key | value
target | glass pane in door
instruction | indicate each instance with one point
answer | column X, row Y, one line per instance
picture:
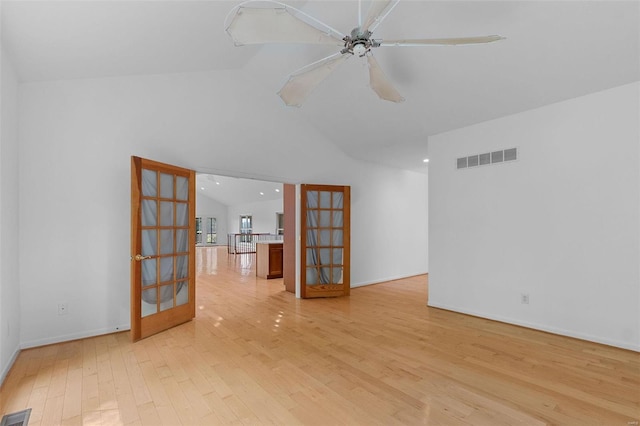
column 182, row 214
column 149, row 212
column 165, row 233
column 149, row 272
column 149, row 183
column 182, row 188
column 166, row 185
column 149, row 242
column 166, row 297
column 149, row 305
column 182, row 295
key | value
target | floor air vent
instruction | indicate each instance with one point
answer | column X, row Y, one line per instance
column 21, row 418
column 494, row 157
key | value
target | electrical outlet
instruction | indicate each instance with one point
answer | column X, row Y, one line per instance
column 524, row 299
column 62, row 308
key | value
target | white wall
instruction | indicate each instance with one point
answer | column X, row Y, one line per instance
column 9, row 241
column 76, row 139
column 388, row 229
column 263, row 216
column 207, row 207
column 560, row 224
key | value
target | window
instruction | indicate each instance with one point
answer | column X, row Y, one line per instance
column 279, row 223
column 246, row 227
column 206, row 230
column 245, row 224
column 198, row 230
column 212, row 236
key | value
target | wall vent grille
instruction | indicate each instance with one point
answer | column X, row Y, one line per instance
column 20, row 418
column 487, row 158
column 510, row 154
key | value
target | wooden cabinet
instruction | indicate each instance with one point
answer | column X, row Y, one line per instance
column 269, row 257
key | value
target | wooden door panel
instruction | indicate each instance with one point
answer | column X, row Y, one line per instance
column 162, row 246
column 275, row 260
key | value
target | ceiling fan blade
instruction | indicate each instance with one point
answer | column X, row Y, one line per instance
column 377, row 13
column 302, row 82
column 277, row 23
column 380, row 84
column 441, row 41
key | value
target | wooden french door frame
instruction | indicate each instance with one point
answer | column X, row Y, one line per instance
column 167, row 315
column 289, row 203
column 325, row 264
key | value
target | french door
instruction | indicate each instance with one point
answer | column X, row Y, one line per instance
column 325, row 240
column 162, row 247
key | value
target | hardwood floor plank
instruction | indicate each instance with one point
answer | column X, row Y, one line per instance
column 72, row 421
column 89, row 361
column 256, row 355
column 52, row 413
column 240, row 410
column 148, row 414
column 222, row 411
column 90, row 394
column 126, row 405
column 167, row 415
column 179, row 401
column 72, row 402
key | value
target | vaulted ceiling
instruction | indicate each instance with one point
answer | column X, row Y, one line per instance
column 554, row 50
column 233, row 191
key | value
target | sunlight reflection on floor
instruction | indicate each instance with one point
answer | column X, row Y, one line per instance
column 208, row 260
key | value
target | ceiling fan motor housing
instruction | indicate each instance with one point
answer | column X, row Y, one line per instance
column 359, row 42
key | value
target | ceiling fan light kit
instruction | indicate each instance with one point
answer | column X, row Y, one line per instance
column 261, row 22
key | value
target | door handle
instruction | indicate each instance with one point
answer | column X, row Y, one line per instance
column 140, row 257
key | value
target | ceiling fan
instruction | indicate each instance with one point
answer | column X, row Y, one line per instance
column 260, row 22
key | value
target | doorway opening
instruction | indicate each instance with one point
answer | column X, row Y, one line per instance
column 237, row 213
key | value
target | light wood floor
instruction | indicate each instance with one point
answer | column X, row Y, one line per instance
column 256, row 355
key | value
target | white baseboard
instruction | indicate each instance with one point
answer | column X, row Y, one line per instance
column 7, row 368
column 74, row 336
column 400, row 277
column 540, row 327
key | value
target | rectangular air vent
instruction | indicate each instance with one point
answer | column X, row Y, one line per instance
column 486, row 158
column 20, row 418
column 510, row 154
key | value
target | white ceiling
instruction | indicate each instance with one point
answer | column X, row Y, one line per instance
column 233, row 191
column 555, row 50
column 59, row 40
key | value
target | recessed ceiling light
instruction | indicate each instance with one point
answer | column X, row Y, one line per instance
column 202, row 188
column 262, row 193
column 217, row 183
column 426, row 160
column 277, row 190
